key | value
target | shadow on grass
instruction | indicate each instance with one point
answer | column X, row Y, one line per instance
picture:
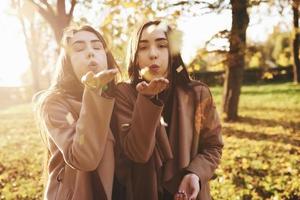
column 286, row 91
column 270, row 123
column 270, row 109
column 260, row 136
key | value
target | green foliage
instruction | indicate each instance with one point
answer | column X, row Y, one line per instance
column 207, row 61
column 260, row 160
column 281, row 44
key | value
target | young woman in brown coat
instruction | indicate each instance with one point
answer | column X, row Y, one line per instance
column 74, row 116
column 168, row 130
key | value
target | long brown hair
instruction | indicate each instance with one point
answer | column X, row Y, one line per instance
column 65, row 82
column 180, row 77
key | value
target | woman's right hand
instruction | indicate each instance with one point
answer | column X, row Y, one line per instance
column 97, row 81
column 154, row 87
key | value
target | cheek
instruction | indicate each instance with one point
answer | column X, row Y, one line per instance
column 165, row 58
column 102, row 60
column 141, row 59
column 78, row 65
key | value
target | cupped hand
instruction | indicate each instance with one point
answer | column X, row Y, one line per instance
column 154, row 87
column 97, row 81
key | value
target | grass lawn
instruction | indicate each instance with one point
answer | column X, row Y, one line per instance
column 261, row 158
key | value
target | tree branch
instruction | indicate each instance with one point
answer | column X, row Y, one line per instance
column 61, row 8
column 257, row 2
column 49, row 7
column 221, row 34
column 73, row 3
column 48, row 15
column 207, row 4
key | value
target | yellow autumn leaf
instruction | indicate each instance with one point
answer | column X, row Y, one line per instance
column 197, row 67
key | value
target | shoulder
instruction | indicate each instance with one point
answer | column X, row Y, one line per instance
column 55, row 101
column 51, row 109
column 200, row 88
column 55, row 109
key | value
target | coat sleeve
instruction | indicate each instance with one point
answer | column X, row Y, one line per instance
column 82, row 142
column 209, row 154
column 136, row 124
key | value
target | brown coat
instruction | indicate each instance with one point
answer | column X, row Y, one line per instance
column 79, row 141
column 149, row 159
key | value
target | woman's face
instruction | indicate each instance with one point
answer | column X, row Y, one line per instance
column 87, row 53
column 153, row 53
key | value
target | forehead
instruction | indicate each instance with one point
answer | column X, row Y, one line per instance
column 84, row 36
column 153, row 32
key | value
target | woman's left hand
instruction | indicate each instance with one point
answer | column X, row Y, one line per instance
column 190, row 185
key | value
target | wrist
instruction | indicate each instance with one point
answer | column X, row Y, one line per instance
column 149, row 96
column 194, row 176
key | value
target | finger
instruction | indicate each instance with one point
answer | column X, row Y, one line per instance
column 193, row 195
column 156, row 87
column 161, row 87
column 166, row 81
column 163, row 81
column 153, row 84
column 113, row 71
column 87, row 77
column 141, row 86
column 106, row 72
column 182, row 187
column 105, row 76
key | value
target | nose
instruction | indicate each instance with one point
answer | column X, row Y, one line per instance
column 153, row 53
column 90, row 53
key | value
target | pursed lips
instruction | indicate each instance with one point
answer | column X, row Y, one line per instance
column 154, row 68
column 93, row 66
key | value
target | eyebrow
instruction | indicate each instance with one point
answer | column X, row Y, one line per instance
column 82, row 42
column 156, row 40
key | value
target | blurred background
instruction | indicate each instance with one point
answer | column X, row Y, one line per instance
column 247, row 51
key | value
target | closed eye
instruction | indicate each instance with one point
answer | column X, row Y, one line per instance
column 78, row 46
column 143, row 47
column 163, row 44
column 97, row 45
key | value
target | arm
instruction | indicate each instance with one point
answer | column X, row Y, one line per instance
column 136, row 123
column 82, row 142
column 211, row 143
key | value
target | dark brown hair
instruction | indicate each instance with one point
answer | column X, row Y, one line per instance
column 175, row 59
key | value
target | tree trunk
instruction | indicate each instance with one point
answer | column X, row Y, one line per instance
column 296, row 65
column 235, row 67
column 30, row 49
column 57, row 17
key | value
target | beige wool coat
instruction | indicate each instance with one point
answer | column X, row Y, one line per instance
column 81, row 144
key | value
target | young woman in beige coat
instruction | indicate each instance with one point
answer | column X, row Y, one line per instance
column 168, row 130
column 74, row 116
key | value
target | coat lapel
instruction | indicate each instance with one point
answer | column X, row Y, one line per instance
column 181, row 132
column 185, row 126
